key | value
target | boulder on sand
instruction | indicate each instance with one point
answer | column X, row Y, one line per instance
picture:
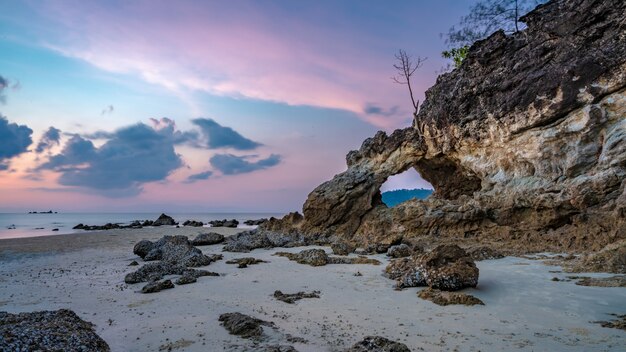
column 207, row 239
column 378, row 344
column 164, row 220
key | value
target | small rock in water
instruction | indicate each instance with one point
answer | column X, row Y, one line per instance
column 255, row 222
column 164, row 220
column 291, row 298
column 193, row 223
column 378, row 344
column 133, row 263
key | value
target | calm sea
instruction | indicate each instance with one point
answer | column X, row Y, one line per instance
column 13, row 225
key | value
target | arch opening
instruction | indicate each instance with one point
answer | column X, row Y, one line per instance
column 404, row 186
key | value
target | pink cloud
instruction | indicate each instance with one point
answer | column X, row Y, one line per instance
column 239, row 51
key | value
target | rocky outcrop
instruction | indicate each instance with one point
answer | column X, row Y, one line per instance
column 60, row 330
column 193, row 223
column 224, row 223
column 164, row 220
column 172, row 249
column 318, row 257
column 525, row 145
column 447, row 267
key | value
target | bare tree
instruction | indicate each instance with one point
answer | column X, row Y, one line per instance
column 406, row 67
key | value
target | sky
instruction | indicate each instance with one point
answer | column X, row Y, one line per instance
column 201, row 105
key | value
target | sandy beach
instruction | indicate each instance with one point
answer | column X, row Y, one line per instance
column 524, row 308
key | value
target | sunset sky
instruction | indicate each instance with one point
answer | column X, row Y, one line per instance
column 200, row 105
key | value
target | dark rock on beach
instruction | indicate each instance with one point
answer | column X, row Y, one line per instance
column 248, row 240
column 444, row 298
column 244, row 262
column 193, row 223
column 224, row 223
column 164, row 220
column 318, row 257
column 484, row 253
column 207, row 239
column 291, row 298
column 172, row 249
column 255, row 222
column 378, row 344
column 243, row 325
column 157, row 286
column 60, row 330
column 447, row 267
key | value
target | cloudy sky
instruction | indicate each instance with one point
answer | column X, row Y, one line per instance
column 200, row 105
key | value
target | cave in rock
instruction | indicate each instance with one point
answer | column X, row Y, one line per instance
column 404, row 186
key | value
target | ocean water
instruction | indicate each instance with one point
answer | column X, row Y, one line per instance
column 31, row 225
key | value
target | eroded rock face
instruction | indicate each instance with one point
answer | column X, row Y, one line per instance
column 525, row 145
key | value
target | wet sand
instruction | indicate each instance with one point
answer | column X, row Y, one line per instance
column 524, row 309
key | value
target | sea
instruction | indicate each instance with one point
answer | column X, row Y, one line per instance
column 15, row 225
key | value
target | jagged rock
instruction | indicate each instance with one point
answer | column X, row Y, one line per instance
column 244, row 262
column 193, row 223
column 186, row 279
column 164, row 220
column 291, row 298
column 318, row 257
column 157, row 286
column 399, row 251
column 484, row 253
column 172, row 249
column 342, row 248
column 448, row 268
column 255, row 222
column 249, row 240
column 243, row 325
column 444, row 298
column 378, row 344
column 524, row 144
column 60, row 330
column 142, row 248
column 207, row 239
column 224, row 223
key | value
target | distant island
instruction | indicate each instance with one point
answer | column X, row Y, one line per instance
column 393, row 198
column 42, row 212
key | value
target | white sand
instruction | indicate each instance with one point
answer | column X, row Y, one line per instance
column 524, row 311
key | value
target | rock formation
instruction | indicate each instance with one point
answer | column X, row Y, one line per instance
column 525, row 145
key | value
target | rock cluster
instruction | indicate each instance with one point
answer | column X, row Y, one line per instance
column 524, row 144
column 255, row 222
column 447, row 267
column 60, row 330
column 224, row 223
column 193, row 223
column 175, row 256
column 163, row 220
column 318, row 257
column 248, row 240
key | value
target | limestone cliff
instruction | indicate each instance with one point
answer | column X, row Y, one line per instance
column 525, row 143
